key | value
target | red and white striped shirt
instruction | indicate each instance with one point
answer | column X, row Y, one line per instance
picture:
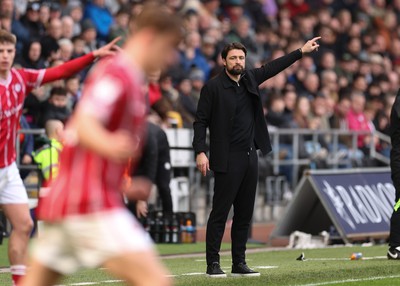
column 13, row 90
column 88, row 182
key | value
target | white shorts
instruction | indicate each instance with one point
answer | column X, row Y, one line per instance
column 12, row 189
column 88, row 241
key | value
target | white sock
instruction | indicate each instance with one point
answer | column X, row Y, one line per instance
column 18, row 269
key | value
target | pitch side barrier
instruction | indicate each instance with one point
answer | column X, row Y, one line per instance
column 352, row 205
column 339, row 155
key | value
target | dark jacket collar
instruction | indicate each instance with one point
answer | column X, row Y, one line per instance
column 226, row 80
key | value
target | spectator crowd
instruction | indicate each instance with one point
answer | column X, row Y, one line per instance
column 349, row 84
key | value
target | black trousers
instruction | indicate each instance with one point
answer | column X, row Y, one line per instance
column 163, row 179
column 394, row 239
column 236, row 187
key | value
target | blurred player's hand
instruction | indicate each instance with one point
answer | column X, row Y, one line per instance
column 108, row 50
column 124, row 146
column 26, row 159
column 310, row 46
column 137, row 188
column 202, row 163
column 141, row 209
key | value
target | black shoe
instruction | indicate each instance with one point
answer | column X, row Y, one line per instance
column 242, row 270
column 393, row 253
column 214, row 271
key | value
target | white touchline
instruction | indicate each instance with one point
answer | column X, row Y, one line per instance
column 374, row 257
column 255, row 267
column 92, row 283
column 203, row 260
column 345, row 259
column 351, row 280
column 326, row 259
column 265, row 267
column 203, row 273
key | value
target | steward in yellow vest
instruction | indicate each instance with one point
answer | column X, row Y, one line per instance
column 48, row 156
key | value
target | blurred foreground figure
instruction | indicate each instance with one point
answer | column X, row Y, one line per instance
column 85, row 222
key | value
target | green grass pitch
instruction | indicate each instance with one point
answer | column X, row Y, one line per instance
column 329, row 266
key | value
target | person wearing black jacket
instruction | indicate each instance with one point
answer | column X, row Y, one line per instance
column 146, row 170
column 231, row 108
column 164, row 169
column 55, row 107
column 394, row 239
column 155, row 166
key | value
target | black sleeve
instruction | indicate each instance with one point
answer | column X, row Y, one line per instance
column 148, row 163
column 276, row 66
column 396, row 105
column 395, row 123
column 202, row 120
column 47, row 115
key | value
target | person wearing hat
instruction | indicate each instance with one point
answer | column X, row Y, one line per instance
column 197, row 78
column 76, row 13
column 89, row 35
column 55, row 10
column 345, row 67
column 50, row 41
column 120, row 27
column 31, row 20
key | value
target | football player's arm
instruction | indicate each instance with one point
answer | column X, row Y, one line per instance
column 74, row 66
column 91, row 134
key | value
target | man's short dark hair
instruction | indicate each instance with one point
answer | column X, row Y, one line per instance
column 77, row 38
column 233, row 46
column 58, row 91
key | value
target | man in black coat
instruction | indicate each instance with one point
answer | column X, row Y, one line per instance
column 155, row 166
column 231, row 108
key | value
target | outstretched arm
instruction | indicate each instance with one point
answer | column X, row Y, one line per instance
column 74, row 66
column 276, row 66
column 67, row 69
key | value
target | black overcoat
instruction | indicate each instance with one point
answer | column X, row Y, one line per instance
column 217, row 106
